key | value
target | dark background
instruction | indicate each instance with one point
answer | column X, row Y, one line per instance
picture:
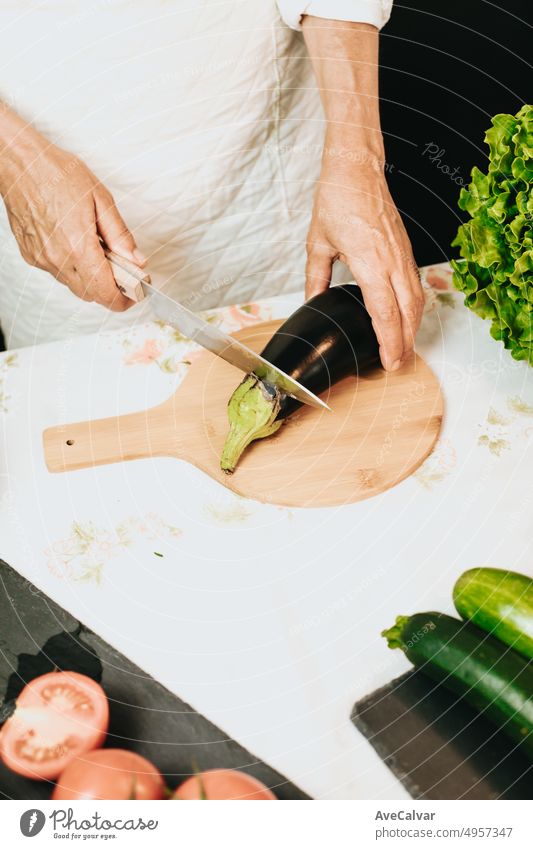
column 446, row 69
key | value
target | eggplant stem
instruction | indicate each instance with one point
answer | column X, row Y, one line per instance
column 252, row 414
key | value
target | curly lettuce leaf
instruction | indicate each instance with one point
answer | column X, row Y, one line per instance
column 496, row 244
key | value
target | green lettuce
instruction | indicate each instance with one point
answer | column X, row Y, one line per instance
column 496, row 244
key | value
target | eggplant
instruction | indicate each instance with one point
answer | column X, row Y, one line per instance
column 327, row 339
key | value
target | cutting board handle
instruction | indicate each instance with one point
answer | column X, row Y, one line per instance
column 76, row 446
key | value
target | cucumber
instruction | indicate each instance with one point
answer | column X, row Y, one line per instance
column 492, row 677
column 501, row 603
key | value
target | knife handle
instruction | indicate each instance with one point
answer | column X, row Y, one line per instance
column 128, row 276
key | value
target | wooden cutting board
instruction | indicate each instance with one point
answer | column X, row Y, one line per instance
column 382, row 427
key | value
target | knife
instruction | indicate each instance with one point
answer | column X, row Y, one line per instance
column 136, row 285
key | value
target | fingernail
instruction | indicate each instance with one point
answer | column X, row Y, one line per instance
column 139, row 256
column 396, row 365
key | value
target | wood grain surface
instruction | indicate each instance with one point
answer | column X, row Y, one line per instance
column 381, row 428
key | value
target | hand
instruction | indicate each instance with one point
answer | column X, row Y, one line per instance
column 355, row 220
column 57, row 210
column 354, row 217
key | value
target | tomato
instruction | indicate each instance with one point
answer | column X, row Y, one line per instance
column 222, row 784
column 110, row 774
column 57, row 716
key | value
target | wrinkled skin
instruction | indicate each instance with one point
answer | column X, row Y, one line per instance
column 356, row 221
column 57, row 209
column 354, row 216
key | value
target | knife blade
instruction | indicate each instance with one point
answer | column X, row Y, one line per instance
column 136, row 284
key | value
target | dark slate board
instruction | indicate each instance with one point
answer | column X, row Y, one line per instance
column 36, row 635
column 438, row 746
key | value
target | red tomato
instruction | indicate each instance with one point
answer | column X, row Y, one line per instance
column 110, row 774
column 222, row 784
column 57, row 716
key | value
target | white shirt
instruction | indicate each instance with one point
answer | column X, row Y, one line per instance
column 203, row 120
column 376, row 12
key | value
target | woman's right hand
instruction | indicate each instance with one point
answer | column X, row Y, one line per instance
column 57, row 210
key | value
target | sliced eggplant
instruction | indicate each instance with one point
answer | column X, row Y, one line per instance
column 328, row 338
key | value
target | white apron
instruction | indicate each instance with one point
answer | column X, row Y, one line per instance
column 202, row 119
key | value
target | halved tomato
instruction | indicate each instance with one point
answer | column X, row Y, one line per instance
column 222, row 784
column 110, row 774
column 57, row 716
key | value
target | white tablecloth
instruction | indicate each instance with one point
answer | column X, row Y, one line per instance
column 267, row 620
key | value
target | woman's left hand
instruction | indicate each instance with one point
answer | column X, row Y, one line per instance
column 356, row 220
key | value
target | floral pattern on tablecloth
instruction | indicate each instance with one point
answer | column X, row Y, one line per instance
column 497, row 432
column 503, row 427
column 494, row 432
column 517, row 405
column 438, row 276
column 438, row 287
column 162, row 345
column 7, row 361
column 440, row 463
column 84, row 553
column 235, row 512
column 157, row 343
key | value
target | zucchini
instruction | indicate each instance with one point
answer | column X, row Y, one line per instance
column 500, row 602
column 328, row 338
column 489, row 675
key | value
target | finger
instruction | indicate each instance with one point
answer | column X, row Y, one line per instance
column 380, row 301
column 113, row 230
column 97, row 281
column 410, row 299
column 317, row 269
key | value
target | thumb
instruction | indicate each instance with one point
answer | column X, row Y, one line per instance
column 317, row 270
column 113, row 230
